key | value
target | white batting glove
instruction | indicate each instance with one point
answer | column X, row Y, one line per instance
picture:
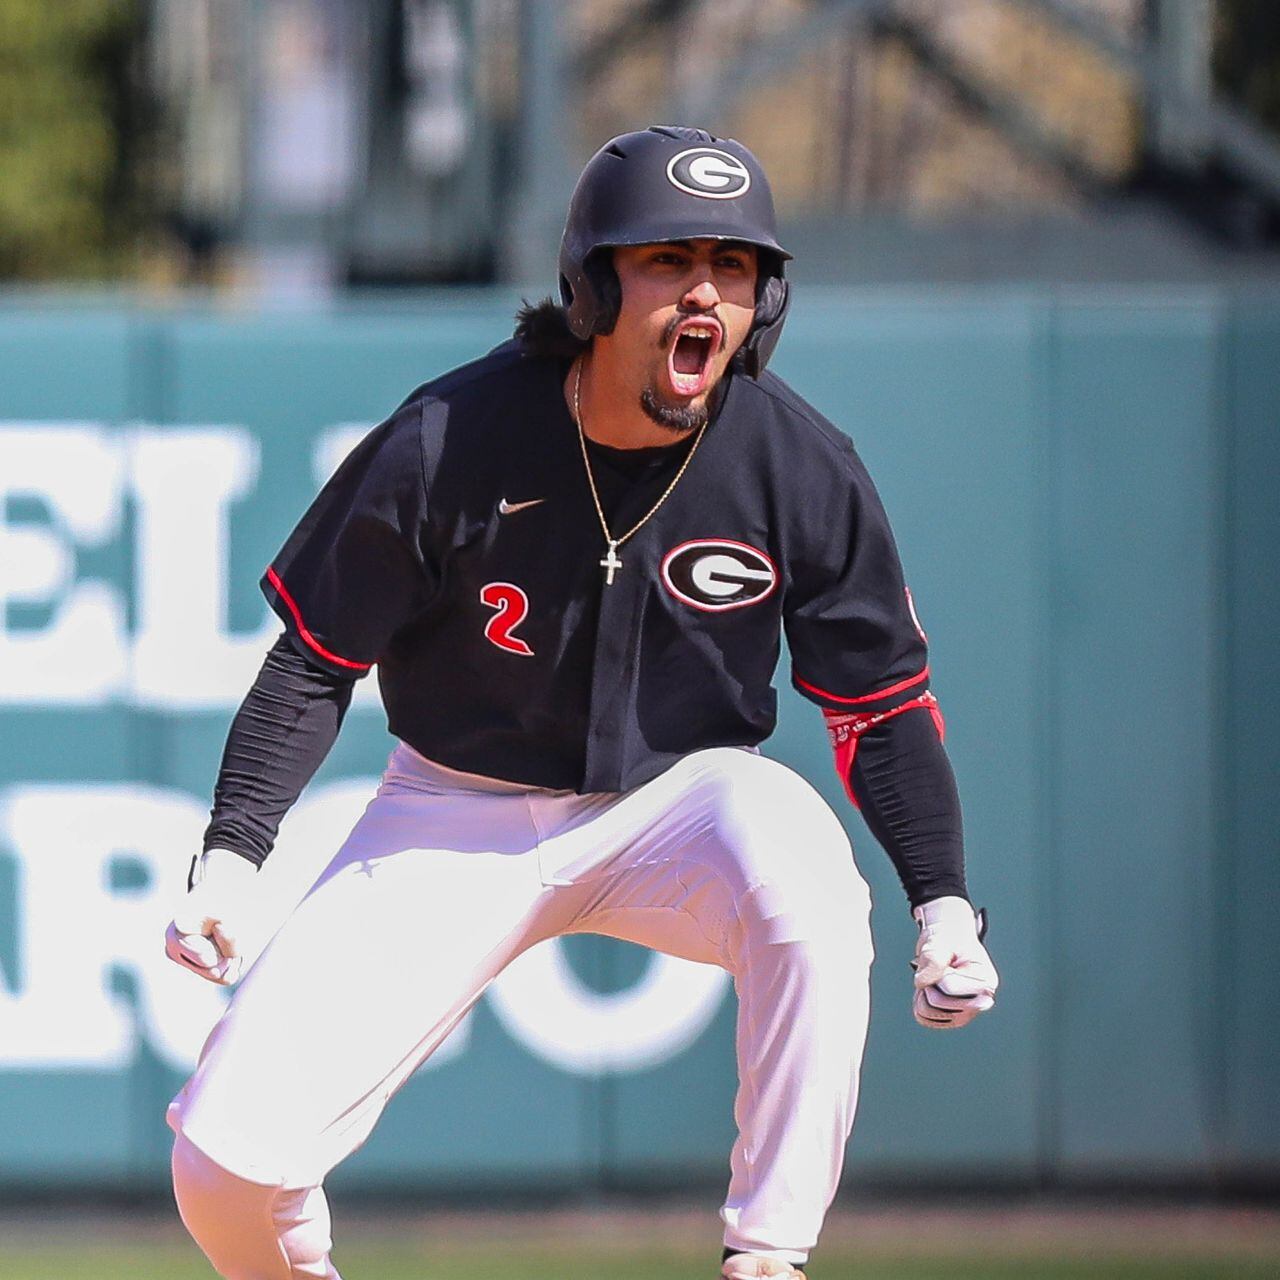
column 955, row 979
column 205, row 935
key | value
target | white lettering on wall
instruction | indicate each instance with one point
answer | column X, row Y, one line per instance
column 332, row 446
column 74, row 930
column 75, row 472
column 185, row 481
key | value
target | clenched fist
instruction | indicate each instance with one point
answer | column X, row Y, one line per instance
column 206, row 933
column 955, row 979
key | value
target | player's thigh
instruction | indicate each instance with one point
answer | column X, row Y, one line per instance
column 377, row 963
column 732, row 850
column 421, row 891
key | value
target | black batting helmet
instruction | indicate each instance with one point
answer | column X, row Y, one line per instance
column 668, row 183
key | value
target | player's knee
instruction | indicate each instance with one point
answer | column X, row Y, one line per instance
column 303, row 1228
column 821, row 912
column 819, row 936
column 249, row 1231
column 203, row 1190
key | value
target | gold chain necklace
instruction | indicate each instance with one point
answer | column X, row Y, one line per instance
column 611, row 563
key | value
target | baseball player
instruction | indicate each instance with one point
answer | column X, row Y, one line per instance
column 571, row 563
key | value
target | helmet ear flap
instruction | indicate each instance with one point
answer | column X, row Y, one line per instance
column 591, row 294
column 771, row 310
column 771, row 305
column 607, row 288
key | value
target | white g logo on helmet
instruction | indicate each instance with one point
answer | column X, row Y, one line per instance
column 709, row 172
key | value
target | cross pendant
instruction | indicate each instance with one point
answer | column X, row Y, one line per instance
column 611, row 564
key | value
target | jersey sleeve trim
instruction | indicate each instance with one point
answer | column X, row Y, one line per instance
column 311, row 642
column 805, row 686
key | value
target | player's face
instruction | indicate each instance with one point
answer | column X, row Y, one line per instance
column 686, row 308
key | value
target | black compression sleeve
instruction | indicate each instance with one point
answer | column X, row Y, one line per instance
column 907, row 792
column 281, row 734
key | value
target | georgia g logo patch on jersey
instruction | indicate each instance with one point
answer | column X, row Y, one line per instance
column 716, row 574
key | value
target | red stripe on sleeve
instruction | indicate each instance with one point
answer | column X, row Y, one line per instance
column 274, row 578
column 866, row 697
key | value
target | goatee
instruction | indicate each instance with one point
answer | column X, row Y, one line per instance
column 677, row 418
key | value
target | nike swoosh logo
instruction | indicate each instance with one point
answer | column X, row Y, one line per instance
column 506, row 508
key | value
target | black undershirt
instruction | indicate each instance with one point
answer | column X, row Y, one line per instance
column 630, row 481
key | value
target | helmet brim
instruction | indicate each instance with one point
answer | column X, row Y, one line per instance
column 668, row 232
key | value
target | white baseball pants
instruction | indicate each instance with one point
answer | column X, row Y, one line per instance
column 728, row 858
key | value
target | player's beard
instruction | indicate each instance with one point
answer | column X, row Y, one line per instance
column 676, row 418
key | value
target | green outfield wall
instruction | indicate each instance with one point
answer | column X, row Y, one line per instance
column 1085, row 491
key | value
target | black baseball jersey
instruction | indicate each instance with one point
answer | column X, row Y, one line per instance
column 458, row 549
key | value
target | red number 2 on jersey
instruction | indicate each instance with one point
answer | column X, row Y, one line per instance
column 513, row 606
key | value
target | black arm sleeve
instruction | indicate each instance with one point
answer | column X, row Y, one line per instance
column 281, row 734
column 906, row 789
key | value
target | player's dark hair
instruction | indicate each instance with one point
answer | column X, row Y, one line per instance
column 544, row 330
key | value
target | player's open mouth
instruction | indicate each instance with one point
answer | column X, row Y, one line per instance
column 689, row 356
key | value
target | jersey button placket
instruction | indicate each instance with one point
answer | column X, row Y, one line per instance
column 613, row 670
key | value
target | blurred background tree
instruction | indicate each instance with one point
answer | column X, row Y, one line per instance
column 74, row 129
